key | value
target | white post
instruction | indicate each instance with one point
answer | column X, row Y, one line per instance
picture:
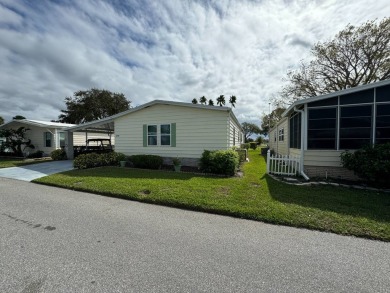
column 303, row 136
column 69, row 145
column 56, row 139
column 268, row 160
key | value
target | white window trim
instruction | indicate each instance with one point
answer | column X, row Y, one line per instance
column 159, row 135
column 281, row 134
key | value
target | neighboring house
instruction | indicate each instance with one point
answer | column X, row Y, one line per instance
column 49, row 136
column 320, row 128
column 172, row 129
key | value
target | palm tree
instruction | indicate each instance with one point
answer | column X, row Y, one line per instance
column 194, row 101
column 221, row 100
column 232, row 101
column 211, row 102
column 203, row 100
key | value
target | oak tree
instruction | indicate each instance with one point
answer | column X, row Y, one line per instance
column 93, row 104
column 249, row 129
column 355, row 56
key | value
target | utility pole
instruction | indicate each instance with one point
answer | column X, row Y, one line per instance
column 269, row 121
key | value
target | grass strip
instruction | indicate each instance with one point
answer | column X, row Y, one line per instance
column 7, row 162
column 255, row 196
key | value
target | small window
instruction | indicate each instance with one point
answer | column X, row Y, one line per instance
column 165, row 131
column 234, row 136
column 281, row 134
column 152, row 134
column 48, row 138
column 275, row 135
column 62, row 139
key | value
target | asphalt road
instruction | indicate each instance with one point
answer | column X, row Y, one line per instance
column 54, row 240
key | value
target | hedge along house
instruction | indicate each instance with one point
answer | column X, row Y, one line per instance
column 319, row 129
column 172, row 129
column 49, row 136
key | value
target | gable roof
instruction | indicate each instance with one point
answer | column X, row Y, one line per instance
column 335, row 94
column 111, row 119
column 40, row 123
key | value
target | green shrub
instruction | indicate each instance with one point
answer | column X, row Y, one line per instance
column 146, row 161
column 264, row 150
column 371, row 163
column 245, row 146
column 85, row 161
column 242, row 154
column 253, row 145
column 120, row 156
column 37, row 154
column 206, row 161
column 220, row 162
column 58, row 155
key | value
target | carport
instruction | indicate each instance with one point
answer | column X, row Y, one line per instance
column 103, row 126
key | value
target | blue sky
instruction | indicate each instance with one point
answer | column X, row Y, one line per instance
column 173, row 50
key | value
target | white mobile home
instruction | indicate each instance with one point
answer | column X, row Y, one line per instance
column 172, row 129
column 49, row 136
column 319, row 129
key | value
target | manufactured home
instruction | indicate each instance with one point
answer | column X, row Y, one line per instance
column 319, row 129
column 49, row 136
column 171, row 129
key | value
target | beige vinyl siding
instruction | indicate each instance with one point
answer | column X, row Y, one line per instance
column 235, row 134
column 283, row 145
column 280, row 147
column 326, row 158
column 80, row 139
column 196, row 130
column 295, row 152
column 272, row 143
column 36, row 134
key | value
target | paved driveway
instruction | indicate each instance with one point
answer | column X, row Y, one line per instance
column 31, row 172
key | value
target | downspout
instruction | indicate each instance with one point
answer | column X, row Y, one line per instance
column 302, row 143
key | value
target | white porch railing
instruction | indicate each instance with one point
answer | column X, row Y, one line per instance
column 282, row 165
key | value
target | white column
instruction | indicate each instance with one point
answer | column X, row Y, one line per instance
column 56, row 138
column 69, row 145
column 268, row 160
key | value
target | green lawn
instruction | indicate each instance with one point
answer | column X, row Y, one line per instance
column 6, row 162
column 255, row 196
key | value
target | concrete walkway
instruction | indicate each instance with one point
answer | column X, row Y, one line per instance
column 34, row 171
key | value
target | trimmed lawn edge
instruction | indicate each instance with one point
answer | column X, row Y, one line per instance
column 221, row 212
column 24, row 162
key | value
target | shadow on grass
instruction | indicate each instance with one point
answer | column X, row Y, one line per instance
column 341, row 200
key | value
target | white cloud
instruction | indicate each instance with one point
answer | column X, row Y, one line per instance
column 161, row 50
column 9, row 17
